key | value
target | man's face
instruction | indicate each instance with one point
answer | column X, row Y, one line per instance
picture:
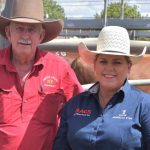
column 24, row 37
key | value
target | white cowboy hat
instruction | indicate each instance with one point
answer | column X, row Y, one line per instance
column 112, row 40
column 31, row 11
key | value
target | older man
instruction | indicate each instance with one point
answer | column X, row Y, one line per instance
column 34, row 85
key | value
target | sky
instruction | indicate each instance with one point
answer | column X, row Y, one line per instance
column 87, row 8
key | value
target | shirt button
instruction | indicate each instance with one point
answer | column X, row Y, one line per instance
column 24, row 100
column 100, row 115
column 95, row 128
column 92, row 142
column 99, row 133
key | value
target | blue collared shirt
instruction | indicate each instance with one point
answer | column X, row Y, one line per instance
column 124, row 124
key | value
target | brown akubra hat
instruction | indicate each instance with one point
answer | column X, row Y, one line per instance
column 31, row 11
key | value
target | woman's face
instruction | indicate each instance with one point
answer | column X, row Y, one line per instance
column 111, row 71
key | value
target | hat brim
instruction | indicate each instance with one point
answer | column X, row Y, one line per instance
column 52, row 28
column 89, row 55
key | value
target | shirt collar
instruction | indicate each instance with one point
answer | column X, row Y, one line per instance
column 5, row 60
column 117, row 97
column 126, row 88
column 95, row 88
column 39, row 58
column 6, row 56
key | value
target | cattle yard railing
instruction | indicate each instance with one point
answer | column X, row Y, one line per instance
column 137, row 27
column 71, row 45
column 140, row 82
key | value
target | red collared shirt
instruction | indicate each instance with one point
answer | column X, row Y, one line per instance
column 29, row 115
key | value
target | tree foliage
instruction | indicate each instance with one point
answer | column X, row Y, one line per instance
column 114, row 11
column 52, row 10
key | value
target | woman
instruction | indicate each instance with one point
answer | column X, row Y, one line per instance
column 111, row 115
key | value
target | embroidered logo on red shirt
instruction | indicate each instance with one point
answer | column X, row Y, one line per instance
column 50, row 81
column 83, row 112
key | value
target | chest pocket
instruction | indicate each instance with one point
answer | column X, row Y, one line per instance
column 5, row 106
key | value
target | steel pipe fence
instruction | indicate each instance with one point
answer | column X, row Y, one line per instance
column 140, row 82
column 71, row 45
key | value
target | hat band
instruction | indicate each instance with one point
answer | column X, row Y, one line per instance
column 114, row 51
column 26, row 19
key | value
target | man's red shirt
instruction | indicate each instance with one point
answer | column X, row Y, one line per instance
column 29, row 114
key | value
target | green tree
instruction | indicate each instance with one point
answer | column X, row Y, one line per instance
column 52, row 10
column 114, row 9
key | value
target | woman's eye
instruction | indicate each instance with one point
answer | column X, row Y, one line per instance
column 117, row 62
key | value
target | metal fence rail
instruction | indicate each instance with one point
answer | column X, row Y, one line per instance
column 72, row 44
column 141, row 82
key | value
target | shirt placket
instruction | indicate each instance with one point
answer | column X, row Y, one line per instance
column 96, row 129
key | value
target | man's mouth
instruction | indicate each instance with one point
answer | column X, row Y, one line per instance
column 25, row 42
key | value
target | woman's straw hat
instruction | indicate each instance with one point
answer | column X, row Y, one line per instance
column 31, row 11
column 112, row 40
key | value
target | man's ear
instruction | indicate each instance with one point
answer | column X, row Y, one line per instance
column 7, row 31
column 42, row 35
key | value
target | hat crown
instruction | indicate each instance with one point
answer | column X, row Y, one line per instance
column 114, row 39
column 31, row 11
column 28, row 9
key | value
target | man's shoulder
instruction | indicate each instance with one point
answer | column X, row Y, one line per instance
column 52, row 56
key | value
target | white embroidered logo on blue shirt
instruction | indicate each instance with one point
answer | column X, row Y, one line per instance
column 122, row 115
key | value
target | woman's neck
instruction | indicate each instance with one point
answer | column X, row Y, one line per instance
column 105, row 96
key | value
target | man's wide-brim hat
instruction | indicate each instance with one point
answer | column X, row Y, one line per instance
column 112, row 40
column 31, row 11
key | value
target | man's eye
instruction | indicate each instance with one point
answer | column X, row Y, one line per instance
column 31, row 30
column 102, row 62
column 19, row 29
